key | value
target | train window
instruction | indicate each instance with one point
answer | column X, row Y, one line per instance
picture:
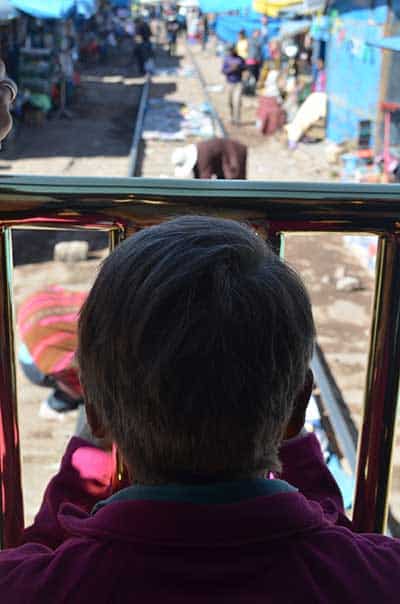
column 338, row 272
column 52, row 272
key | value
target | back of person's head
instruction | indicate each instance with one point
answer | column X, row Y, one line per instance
column 194, row 341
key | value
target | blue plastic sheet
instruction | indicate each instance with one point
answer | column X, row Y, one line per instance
column 223, row 6
column 390, row 43
column 121, row 3
column 354, row 72
column 55, row 9
column 228, row 26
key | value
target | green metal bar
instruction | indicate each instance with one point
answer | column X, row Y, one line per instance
column 291, row 206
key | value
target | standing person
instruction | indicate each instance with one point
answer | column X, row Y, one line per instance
column 254, row 58
column 233, row 67
column 172, row 28
column 205, row 31
column 242, row 45
column 264, row 33
column 193, row 25
column 319, row 77
column 220, row 158
column 143, row 48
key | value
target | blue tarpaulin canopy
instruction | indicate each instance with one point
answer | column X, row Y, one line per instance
column 55, row 9
column 228, row 26
column 390, row 43
column 223, row 6
column 121, row 3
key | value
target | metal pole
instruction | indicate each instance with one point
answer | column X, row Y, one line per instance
column 137, row 134
column 11, row 502
column 376, row 443
column 115, row 237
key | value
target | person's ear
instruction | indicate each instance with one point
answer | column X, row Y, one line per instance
column 298, row 418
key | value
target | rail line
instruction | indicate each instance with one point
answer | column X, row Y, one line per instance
column 335, row 413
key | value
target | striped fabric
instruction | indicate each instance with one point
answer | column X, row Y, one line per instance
column 47, row 321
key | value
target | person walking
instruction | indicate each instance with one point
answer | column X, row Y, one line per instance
column 254, row 56
column 232, row 68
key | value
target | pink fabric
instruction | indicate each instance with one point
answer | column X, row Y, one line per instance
column 65, row 361
column 289, row 548
column 69, row 318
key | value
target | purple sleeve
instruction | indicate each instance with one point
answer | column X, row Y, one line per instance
column 225, row 67
column 304, row 467
column 84, row 478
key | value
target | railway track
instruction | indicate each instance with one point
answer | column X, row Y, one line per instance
column 334, row 411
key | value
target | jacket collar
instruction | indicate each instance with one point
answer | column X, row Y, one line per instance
column 217, row 493
column 182, row 524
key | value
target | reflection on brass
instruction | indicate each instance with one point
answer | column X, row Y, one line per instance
column 124, row 206
column 377, row 436
column 11, row 505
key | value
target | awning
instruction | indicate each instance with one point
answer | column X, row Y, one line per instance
column 223, row 6
column 7, row 11
column 229, row 26
column 273, row 8
column 389, row 43
column 55, row 9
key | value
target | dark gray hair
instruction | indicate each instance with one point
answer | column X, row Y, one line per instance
column 193, row 344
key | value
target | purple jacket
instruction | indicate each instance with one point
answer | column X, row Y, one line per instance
column 287, row 548
column 233, row 67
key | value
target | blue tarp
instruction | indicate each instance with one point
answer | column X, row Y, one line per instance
column 390, row 43
column 121, row 3
column 55, row 9
column 353, row 72
column 223, row 6
column 228, row 26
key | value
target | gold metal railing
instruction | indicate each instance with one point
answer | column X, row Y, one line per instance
column 122, row 206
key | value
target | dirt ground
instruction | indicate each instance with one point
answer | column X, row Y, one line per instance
column 105, row 113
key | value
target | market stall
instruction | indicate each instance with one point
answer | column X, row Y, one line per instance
column 47, row 52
